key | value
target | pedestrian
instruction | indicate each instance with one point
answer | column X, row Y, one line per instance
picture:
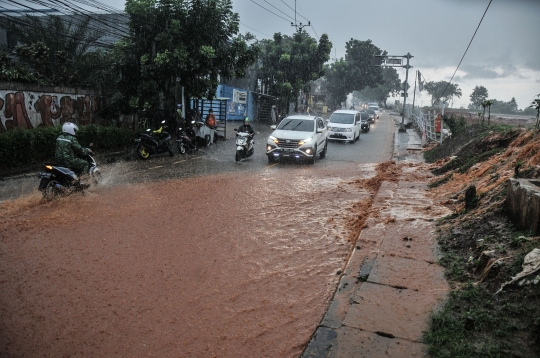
column 273, row 114
column 210, row 120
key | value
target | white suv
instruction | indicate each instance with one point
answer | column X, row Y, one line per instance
column 298, row 137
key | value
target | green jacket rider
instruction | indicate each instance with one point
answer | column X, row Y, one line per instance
column 69, row 152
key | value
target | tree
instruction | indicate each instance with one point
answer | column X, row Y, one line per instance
column 478, row 95
column 487, row 103
column 360, row 56
column 536, row 105
column 289, row 63
column 356, row 71
column 391, row 85
column 442, row 91
column 337, row 76
column 173, row 43
column 53, row 50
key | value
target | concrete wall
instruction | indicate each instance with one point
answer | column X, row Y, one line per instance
column 26, row 107
column 523, row 203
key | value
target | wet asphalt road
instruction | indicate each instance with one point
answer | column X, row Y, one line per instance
column 376, row 146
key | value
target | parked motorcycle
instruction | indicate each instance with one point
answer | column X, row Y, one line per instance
column 59, row 181
column 187, row 139
column 244, row 146
column 154, row 142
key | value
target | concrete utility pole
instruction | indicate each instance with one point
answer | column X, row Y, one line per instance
column 397, row 61
column 298, row 27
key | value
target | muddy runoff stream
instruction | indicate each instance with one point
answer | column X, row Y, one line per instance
column 230, row 265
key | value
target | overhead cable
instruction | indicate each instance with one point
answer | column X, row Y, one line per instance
column 467, row 47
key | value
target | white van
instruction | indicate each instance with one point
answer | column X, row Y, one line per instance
column 345, row 125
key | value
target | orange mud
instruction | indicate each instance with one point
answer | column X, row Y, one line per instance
column 489, row 176
column 228, row 266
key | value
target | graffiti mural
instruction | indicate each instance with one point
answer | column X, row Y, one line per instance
column 27, row 109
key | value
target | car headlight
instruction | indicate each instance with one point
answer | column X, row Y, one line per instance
column 349, row 130
column 273, row 139
column 329, row 128
column 307, row 140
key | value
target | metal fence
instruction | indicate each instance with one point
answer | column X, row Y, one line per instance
column 425, row 124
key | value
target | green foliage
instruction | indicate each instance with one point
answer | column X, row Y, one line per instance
column 22, row 148
column 456, row 124
column 442, row 91
column 390, row 85
column 356, row 71
column 289, row 63
column 478, row 95
column 190, row 43
column 54, row 51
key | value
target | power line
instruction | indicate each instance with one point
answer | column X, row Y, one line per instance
column 77, row 20
column 467, row 48
column 294, row 10
column 278, row 10
column 254, row 29
column 281, row 17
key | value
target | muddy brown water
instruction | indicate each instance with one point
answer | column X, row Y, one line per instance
column 229, row 265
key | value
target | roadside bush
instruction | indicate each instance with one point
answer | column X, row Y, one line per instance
column 456, row 124
column 22, row 148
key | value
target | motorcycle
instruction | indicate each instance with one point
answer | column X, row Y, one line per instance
column 244, row 146
column 154, row 142
column 59, row 181
column 187, row 139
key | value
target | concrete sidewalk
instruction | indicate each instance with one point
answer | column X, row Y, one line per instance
column 391, row 283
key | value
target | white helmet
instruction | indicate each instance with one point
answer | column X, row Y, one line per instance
column 70, row 128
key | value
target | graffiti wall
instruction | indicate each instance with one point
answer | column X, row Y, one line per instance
column 28, row 109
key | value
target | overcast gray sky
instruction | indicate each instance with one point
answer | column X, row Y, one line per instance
column 504, row 56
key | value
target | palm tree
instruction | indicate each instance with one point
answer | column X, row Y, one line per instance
column 536, row 105
column 484, row 105
column 488, row 103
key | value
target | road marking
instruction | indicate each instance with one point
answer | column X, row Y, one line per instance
column 159, row 166
column 179, row 161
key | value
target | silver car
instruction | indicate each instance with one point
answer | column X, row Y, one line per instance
column 298, row 137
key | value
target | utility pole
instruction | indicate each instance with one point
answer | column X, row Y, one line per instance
column 397, row 61
column 298, row 27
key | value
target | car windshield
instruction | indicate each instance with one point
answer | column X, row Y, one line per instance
column 364, row 115
column 371, row 111
column 374, row 108
column 294, row 124
column 344, row 118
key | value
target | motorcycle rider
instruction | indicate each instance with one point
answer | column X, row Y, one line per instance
column 69, row 152
column 247, row 128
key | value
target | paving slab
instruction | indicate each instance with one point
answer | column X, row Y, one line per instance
column 413, row 239
column 393, row 312
column 352, row 342
column 406, row 273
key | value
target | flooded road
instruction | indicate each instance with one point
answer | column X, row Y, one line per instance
column 180, row 261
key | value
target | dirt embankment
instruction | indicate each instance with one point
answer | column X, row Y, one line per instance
column 481, row 249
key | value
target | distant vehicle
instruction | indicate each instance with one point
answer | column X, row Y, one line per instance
column 298, row 137
column 345, row 125
column 376, row 109
column 371, row 114
column 373, row 104
column 366, row 123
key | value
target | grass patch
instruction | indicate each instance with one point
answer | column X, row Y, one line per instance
column 475, row 323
